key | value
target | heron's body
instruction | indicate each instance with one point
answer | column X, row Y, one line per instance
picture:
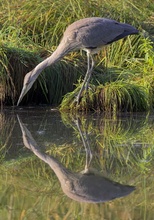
column 89, row 34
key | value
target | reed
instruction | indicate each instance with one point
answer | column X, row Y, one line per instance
column 31, row 30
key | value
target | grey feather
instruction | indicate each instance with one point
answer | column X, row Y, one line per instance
column 89, row 34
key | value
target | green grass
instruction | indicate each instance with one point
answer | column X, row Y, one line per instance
column 31, row 31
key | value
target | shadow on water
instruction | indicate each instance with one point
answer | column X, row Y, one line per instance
column 83, row 187
column 115, row 154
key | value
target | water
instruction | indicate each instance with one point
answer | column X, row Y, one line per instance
column 42, row 179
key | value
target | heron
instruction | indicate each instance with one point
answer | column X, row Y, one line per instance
column 88, row 34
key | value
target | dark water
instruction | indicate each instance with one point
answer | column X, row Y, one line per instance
column 42, row 179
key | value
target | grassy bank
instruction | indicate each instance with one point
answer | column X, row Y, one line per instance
column 123, row 77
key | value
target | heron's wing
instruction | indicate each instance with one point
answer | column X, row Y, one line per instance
column 96, row 32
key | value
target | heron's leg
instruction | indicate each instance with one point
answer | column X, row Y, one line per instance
column 90, row 72
column 87, row 76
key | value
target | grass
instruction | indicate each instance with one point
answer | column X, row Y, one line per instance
column 110, row 98
column 31, row 30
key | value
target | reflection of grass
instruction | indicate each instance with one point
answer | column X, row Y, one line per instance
column 122, row 143
column 123, row 151
column 6, row 129
column 31, row 191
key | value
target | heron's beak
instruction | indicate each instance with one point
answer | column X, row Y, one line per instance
column 28, row 82
column 22, row 94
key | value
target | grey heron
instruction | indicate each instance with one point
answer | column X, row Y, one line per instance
column 89, row 34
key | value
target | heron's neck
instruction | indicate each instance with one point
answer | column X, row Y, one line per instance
column 62, row 49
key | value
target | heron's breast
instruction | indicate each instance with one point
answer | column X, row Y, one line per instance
column 92, row 50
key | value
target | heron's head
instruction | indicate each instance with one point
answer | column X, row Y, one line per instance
column 28, row 82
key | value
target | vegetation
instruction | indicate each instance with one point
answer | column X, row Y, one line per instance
column 31, row 30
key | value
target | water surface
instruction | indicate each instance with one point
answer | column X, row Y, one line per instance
column 122, row 152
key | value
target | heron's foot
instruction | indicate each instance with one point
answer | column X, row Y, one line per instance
column 79, row 95
column 88, row 87
column 78, row 99
column 83, row 91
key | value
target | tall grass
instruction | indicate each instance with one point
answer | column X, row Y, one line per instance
column 31, row 30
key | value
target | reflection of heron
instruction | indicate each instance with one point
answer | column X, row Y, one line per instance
column 89, row 34
column 85, row 141
column 87, row 187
